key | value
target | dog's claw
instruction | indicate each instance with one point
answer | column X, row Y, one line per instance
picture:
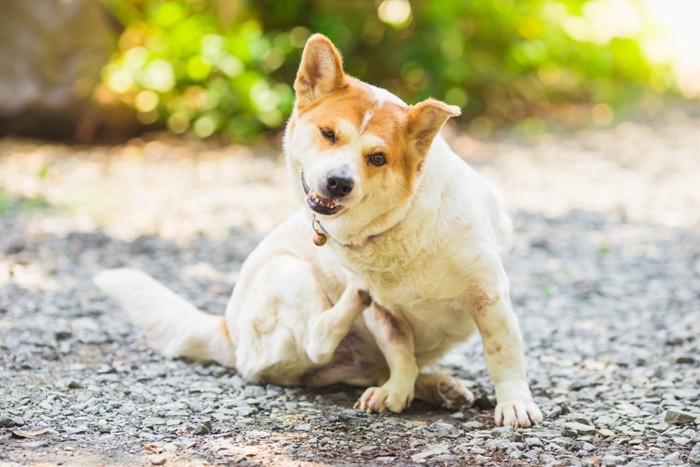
column 357, row 405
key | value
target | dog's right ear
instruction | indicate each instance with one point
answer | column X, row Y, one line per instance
column 321, row 70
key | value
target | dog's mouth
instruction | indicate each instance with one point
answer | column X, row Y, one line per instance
column 317, row 203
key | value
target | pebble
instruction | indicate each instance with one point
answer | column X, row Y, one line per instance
column 157, row 460
column 613, row 460
column 533, row 442
column 694, row 456
column 7, row 422
column 576, row 428
column 678, row 418
column 430, row 451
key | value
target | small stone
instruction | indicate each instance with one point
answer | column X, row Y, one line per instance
column 76, row 430
column 253, row 391
column 62, row 335
column 605, row 433
column 472, row 425
column 575, row 428
column 303, row 427
column 443, row 429
column 195, row 406
column 74, row 385
column 457, row 415
column 432, row 450
column 7, row 422
column 678, row 418
column 613, row 460
column 203, row 429
column 694, row 456
column 533, row 441
column 685, row 360
column 588, row 447
column 157, row 460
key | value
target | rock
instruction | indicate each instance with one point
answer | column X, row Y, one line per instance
column 694, row 456
column 472, row 425
column 62, row 335
column 7, row 422
column 678, row 418
column 613, row 460
column 533, row 441
column 157, row 460
column 443, row 429
column 430, row 451
column 203, row 429
column 574, row 429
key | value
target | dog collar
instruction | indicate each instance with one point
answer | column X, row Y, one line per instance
column 321, row 235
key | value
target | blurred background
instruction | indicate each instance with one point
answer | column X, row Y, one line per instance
column 105, row 70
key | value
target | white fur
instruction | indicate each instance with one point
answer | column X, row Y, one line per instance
column 298, row 314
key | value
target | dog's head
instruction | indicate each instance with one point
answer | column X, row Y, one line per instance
column 354, row 151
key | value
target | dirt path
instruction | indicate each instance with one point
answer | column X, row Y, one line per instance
column 605, row 274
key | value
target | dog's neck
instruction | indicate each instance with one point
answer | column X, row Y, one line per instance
column 377, row 227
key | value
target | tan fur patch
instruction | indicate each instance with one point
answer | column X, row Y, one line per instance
column 224, row 328
column 390, row 323
column 482, row 299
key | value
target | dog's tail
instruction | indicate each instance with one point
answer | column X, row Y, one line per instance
column 174, row 326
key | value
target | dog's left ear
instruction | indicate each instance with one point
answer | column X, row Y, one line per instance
column 321, row 70
column 425, row 120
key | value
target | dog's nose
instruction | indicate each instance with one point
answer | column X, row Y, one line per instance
column 339, row 184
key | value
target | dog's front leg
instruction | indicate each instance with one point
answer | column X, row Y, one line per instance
column 394, row 337
column 502, row 343
column 330, row 326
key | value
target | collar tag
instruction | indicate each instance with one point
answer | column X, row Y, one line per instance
column 320, row 238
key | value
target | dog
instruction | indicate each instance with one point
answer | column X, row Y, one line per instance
column 394, row 257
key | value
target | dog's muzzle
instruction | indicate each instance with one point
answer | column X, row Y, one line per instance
column 321, row 204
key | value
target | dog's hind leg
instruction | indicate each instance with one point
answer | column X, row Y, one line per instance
column 442, row 391
column 394, row 337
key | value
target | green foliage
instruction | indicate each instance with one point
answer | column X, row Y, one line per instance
column 10, row 204
column 227, row 66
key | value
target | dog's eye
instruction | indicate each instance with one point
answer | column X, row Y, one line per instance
column 377, row 159
column 328, row 134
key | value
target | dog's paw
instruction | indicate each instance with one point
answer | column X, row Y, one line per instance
column 518, row 414
column 452, row 394
column 381, row 399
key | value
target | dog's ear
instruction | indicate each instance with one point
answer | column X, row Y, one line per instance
column 425, row 120
column 321, row 70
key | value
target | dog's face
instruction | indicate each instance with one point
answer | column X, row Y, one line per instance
column 352, row 147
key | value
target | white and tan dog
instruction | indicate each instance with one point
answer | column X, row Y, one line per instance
column 412, row 263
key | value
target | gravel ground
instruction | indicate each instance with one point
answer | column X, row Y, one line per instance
column 605, row 274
